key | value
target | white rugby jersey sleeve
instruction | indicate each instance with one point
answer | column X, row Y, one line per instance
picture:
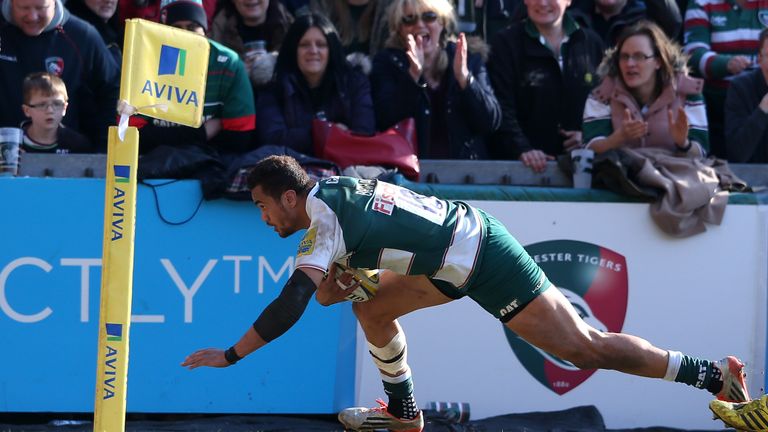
column 323, row 242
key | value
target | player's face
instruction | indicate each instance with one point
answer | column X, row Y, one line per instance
column 274, row 213
column 32, row 16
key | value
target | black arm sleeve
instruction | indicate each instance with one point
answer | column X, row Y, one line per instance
column 287, row 308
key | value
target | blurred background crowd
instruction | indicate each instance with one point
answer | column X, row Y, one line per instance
column 524, row 80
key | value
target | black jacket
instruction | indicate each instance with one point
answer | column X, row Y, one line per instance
column 746, row 125
column 472, row 114
column 665, row 13
column 110, row 30
column 72, row 49
column 538, row 99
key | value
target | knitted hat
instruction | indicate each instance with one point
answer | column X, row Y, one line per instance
column 172, row 11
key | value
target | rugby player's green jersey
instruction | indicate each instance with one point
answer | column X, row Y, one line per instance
column 372, row 224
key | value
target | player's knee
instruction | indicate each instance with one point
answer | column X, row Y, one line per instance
column 369, row 315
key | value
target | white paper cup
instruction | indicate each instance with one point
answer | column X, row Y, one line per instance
column 10, row 140
column 582, row 168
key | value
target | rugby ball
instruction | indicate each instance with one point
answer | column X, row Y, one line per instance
column 367, row 282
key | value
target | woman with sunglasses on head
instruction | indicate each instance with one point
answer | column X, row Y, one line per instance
column 312, row 80
column 442, row 84
column 646, row 98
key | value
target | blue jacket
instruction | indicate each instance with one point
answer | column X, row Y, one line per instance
column 284, row 111
column 471, row 114
column 71, row 49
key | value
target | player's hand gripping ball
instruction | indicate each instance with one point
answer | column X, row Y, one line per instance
column 365, row 282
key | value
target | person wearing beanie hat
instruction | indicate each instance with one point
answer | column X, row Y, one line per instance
column 229, row 114
column 173, row 11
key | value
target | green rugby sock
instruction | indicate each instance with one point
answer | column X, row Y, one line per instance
column 700, row 373
column 401, row 404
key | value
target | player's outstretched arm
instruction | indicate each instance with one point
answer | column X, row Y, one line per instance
column 275, row 320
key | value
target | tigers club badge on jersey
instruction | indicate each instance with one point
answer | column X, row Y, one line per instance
column 594, row 279
column 763, row 17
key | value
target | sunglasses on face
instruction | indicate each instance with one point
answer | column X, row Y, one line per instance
column 427, row 17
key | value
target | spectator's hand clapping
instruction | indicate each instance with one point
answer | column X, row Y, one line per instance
column 632, row 129
column 536, row 160
column 678, row 128
column 460, row 69
column 737, row 64
column 572, row 139
column 415, row 54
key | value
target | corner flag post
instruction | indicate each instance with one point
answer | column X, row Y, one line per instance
column 116, row 281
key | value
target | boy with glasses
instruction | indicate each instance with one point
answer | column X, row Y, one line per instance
column 45, row 105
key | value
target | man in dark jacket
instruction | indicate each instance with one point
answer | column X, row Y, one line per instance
column 746, row 112
column 42, row 36
column 608, row 18
column 542, row 70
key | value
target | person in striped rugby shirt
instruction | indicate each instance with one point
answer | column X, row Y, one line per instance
column 721, row 36
column 646, row 98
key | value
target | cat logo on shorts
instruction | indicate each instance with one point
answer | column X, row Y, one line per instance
column 594, row 279
column 307, row 245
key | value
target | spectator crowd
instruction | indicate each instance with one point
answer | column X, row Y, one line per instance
column 522, row 80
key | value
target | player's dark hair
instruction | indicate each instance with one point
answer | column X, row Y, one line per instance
column 277, row 174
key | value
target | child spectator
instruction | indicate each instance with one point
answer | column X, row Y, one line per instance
column 45, row 104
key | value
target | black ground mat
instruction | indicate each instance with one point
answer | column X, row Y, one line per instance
column 579, row 419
